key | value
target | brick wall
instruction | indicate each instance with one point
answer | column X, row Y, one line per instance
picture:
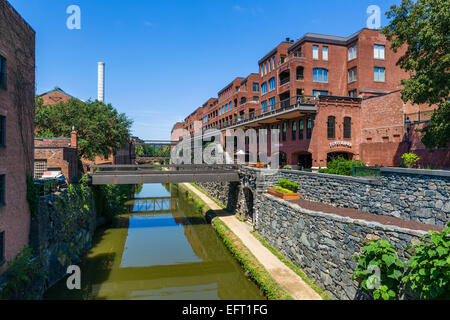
column 17, row 46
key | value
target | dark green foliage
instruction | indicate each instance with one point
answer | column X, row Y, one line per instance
column 110, row 199
column 429, row 267
column 20, row 275
column 423, row 25
column 382, row 254
column 286, row 184
column 32, row 196
column 341, row 166
column 101, row 129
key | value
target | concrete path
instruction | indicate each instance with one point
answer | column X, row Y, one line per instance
column 287, row 278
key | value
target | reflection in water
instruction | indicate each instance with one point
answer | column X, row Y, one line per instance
column 161, row 249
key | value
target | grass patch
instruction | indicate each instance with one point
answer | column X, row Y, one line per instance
column 292, row 266
column 253, row 268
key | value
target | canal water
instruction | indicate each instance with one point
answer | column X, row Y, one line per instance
column 162, row 249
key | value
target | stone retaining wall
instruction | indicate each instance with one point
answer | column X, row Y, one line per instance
column 60, row 234
column 409, row 194
column 321, row 244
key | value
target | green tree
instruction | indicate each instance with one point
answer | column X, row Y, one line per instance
column 423, row 25
column 101, row 129
column 139, row 150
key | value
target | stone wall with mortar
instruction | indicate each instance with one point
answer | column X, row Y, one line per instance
column 409, row 194
column 322, row 244
column 61, row 232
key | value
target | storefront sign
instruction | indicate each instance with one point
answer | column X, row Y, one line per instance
column 340, row 144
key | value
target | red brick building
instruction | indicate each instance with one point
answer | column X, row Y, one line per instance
column 327, row 96
column 56, row 154
column 17, row 87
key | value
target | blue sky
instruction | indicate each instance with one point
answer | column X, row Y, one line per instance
column 166, row 58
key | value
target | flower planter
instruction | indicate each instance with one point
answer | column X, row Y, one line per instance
column 282, row 195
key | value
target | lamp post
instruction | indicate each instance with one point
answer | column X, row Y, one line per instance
column 408, row 128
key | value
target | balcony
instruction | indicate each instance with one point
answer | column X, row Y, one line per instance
column 285, row 109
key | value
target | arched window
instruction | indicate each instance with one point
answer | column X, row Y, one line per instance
column 331, row 127
column 320, row 75
column 347, row 128
column 309, row 129
column 284, row 131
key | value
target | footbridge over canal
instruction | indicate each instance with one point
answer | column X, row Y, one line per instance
column 171, row 173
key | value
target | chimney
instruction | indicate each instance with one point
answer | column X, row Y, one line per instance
column 101, row 82
column 288, row 39
column 73, row 139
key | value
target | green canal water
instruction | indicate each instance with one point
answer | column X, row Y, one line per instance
column 162, row 249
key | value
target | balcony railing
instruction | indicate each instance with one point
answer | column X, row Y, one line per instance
column 279, row 107
column 284, row 81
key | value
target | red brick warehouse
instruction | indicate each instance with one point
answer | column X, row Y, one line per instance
column 321, row 92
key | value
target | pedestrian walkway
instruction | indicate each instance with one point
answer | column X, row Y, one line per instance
column 287, row 278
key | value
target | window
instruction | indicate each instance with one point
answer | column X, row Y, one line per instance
column 317, row 93
column 378, row 51
column 325, row 53
column 2, row 247
column 262, row 70
column 379, row 74
column 300, row 131
column 265, row 68
column 272, row 103
column 347, row 128
column 264, row 106
column 352, row 75
column 220, row 111
column 294, row 130
column 264, row 88
column 255, row 87
column 272, row 84
column 300, row 73
column 353, row 93
column 270, row 66
column 231, row 105
column 331, row 127
column 320, row 75
column 2, row 72
column 256, row 99
column 2, row 189
column 284, row 131
column 309, row 128
column 352, row 52
column 2, row 131
column 298, row 53
column 273, row 60
column 316, row 52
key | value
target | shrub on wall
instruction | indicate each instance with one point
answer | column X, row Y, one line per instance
column 429, row 267
column 410, row 160
column 341, row 166
column 379, row 270
column 427, row 272
column 286, row 184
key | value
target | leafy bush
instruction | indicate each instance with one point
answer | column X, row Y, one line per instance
column 283, row 189
column 20, row 275
column 410, row 160
column 429, row 267
column 287, row 167
column 286, row 184
column 379, row 256
column 341, row 166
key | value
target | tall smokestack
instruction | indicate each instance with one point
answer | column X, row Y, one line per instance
column 101, row 82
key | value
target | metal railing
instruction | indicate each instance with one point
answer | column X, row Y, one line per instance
column 365, row 171
column 419, row 117
column 279, row 107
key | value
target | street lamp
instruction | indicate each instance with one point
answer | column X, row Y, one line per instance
column 408, row 128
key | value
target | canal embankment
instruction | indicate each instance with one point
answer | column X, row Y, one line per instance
column 271, row 274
